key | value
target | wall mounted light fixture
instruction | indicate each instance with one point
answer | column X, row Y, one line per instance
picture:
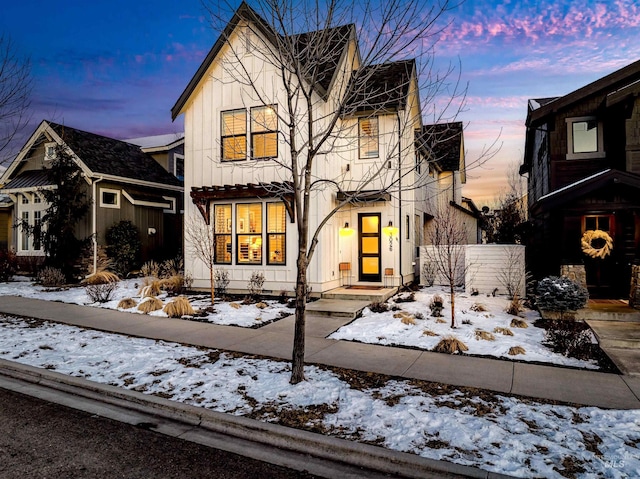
column 390, row 231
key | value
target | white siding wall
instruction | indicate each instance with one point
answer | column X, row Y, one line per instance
column 486, row 267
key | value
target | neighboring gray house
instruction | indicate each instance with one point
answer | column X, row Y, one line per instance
column 122, row 182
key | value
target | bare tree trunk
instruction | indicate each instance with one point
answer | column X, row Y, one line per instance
column 453, row 305
column 297, row 357
column 212, row 286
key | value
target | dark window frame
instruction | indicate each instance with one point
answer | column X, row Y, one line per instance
column 223, row 136
column 269, row 234
column 266, row 132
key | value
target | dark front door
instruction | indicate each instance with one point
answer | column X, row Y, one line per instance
column 369, row 259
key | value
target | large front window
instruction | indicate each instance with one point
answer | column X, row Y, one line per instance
column 276, row 233
column 234, row 135
column 264, row 132
column 222, row 231
column 249, row 233
column 368, row 137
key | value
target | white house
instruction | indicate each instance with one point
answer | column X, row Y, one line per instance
column 375, row 183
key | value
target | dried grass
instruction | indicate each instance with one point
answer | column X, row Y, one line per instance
column 151, row 287
column 179, row 307
column 450, row 345
column 173, row 284
column 235, row 305
column 519, row 323
column 515, row 350
column 503, row 331
column 150, row 269
column 428, row 332
column 101, row 277
column 484, row 335
column 150, row 304
column 478, row 307
column 262, row 305
column 409, row 320
column 441, row 321
column 516, row 305
column 126, row 303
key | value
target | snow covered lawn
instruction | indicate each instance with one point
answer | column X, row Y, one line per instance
column 224, row 312
column 473, row 313
column 466, row 426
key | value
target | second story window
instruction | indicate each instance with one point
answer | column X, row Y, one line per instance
column 178, row 166
column 264, row 132
column 368, row 137
column 584, row 138
column 234, row 135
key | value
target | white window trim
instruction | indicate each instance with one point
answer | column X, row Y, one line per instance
column 584, row 156
column 177, row 156
column 107, row 205
column 46, row 146
column 30, row 208
column 172, row 202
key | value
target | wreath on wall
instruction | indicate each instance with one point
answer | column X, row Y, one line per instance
column 602, row 247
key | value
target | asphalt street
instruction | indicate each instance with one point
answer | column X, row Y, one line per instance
column 43, row 440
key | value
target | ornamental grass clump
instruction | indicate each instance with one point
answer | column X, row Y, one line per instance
column 560, row 294
column 515, row 350
column 519, row 323
column 179, row 307
column 436, row 305
column 450, row 345
column 151, row 287
column 126, row 303
column 101, row 277
column 503, row 331
column 484, row 335
column 150, row 304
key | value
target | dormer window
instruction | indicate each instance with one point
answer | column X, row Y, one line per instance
column 584, row 138
column 50, row 151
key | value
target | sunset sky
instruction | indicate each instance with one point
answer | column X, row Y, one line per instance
column 116, row 67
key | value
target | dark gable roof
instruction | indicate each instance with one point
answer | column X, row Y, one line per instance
column 610, row 83
column 339, row 36
column 384, row 87
column 444, row 142
column 107, row 156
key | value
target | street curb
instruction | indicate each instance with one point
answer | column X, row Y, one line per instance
column 273, row 435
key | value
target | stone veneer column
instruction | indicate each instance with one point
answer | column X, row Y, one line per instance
column 634, row 293
column 575, row 272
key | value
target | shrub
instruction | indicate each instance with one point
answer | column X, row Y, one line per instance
column 149, row 304
column 101, row 292
column 560, row 294
column 568, row 338
column 418, row 316
column 515, row 350
column 436, row 305
column 519, row 323
column 179, row 307
column 467, row 321
column 221, row 282
column 8, row 265
column 410, row 298
column 450, row 345
column 255, row 284
column 429, row 273
column 51, row 277
column 173, row 284
column 126, row 303
column 379, row 307
column 123, row 246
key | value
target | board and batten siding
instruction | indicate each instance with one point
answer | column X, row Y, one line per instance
column 485, row 267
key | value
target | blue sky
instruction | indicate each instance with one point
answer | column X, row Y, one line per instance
column 117, row 67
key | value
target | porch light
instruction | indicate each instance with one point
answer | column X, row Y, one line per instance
column 390, row 231
column 345, row 230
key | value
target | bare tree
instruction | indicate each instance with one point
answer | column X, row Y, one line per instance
column 201, row 242
column 447, row 236
column 15, row 94
column 505, row 224
column 337, row 61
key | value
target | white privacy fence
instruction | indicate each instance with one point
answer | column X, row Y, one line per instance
column 478, row 267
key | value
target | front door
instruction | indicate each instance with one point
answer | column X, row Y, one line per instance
column 369, row 259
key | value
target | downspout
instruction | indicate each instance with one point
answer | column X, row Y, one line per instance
column 400, row 236
column 94, row 225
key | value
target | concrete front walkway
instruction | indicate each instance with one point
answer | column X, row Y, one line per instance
column 275, row 340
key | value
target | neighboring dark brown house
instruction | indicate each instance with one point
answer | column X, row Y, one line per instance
column 122, row 183
column 582, row 160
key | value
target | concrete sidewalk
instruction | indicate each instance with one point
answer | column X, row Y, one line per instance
column 275, row 340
